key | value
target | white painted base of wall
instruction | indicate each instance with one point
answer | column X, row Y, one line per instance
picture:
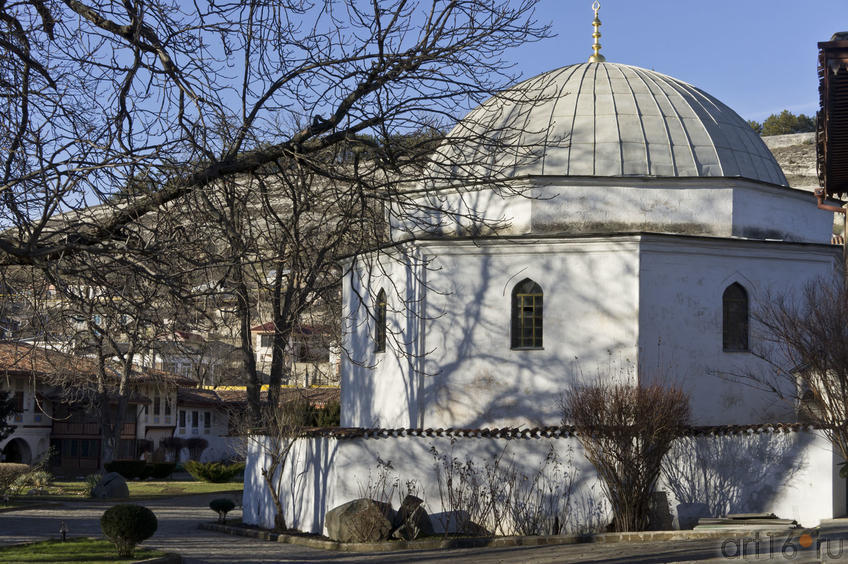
column 792, row 475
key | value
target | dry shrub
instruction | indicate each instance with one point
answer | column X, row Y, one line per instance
column 805, row 342
column 626, row 431
column 504, row 495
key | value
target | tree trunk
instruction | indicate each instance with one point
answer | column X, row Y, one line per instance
column 107, row 450
column 282, row 335
column 246, row 347
column 279, row 515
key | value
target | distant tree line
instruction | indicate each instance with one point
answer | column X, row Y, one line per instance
column 783, row 123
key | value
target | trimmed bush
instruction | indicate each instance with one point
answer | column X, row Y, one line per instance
column 159, row 470
column 215, row 472
column 126, row 525
column 196, row 446
column 222, row 506
column 9, row 472
column 172, row 447
column 129, row 469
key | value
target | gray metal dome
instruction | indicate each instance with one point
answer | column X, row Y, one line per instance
column 607, row 119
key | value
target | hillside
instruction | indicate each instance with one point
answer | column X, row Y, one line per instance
column 796, row 155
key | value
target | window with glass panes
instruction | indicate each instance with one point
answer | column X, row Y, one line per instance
column 526, row 315
column 380, row 322
column 735, row 318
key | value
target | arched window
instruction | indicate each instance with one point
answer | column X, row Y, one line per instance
column 380, row 322
column 526, row 315
column 735, row 318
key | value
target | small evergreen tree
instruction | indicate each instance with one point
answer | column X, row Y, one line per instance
column 786, row 122
column 756, row 126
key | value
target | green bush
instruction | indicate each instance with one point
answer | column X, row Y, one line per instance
column 327, row 416
column 34, row 479
column 129, row 469
column 91, row 482
column 222, row 506
column 215, row 472
column 159, row 470
column 126, row 525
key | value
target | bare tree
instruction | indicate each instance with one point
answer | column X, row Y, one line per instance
column 114, row 309
column 283, row 424
column 328, row 111
column 805, row 345
column 115, row 320
column 626, row 432
column 183, row 95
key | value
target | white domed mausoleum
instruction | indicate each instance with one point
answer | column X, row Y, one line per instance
column 598, row 221
column 651, row 221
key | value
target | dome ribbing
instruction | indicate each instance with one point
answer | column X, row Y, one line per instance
column 609, row 120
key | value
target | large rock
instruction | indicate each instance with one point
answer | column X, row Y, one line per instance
column 689, row 513
column 360, row 520
column 412, row 520
column 111, row 486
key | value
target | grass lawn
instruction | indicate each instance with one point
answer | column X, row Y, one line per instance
column 74, row 489
column 73, row 550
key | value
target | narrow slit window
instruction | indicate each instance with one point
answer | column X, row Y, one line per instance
column 735, row 318
column 526, row 315
column 380, row 322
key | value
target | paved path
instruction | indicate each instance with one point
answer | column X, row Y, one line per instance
column 178, row 532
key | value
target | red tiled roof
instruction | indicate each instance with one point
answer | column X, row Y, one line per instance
column 156, row 375
column 559, row 432
column 18, row 358
column 204, row 396
column 26, row 358
column 305, row 330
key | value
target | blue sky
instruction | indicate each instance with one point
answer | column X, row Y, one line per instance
column 756, row 56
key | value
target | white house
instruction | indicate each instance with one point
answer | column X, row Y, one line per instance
column 628, row 229
column 641, row 246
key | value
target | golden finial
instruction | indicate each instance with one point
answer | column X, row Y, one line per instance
column 596, row 56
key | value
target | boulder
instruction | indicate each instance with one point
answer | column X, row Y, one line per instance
column 412, row 520
column 112, row 485
column 689, row 513
column 360, row 520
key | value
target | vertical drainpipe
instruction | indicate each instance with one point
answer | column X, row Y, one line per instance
column 820, row 197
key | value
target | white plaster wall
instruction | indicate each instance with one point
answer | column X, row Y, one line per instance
column 36, row 438
column 468, row 376
column 324, row 473
column 680, row 318
column 765, row 212
column 611, row 303
column 167, row 396
column 383, row 389
column 787, row 474
column 471, row 211
column 34, row 424
column 722, row 207
column 220, row 444
column 473, row 378
column 632, row 204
